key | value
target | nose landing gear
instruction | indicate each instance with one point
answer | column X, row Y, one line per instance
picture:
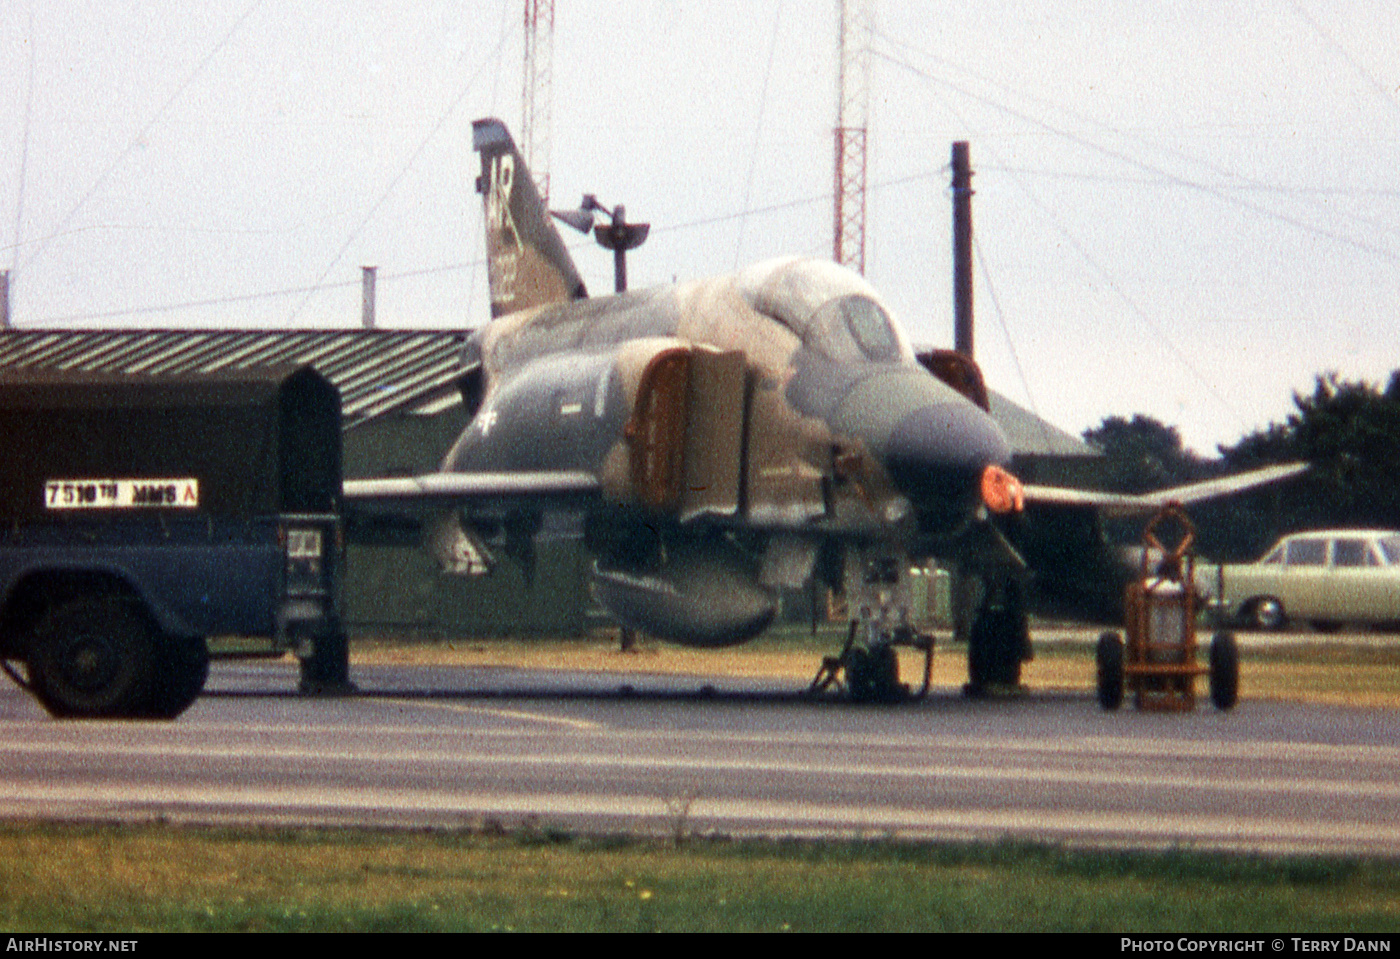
column 867, row 668
column 869, row 672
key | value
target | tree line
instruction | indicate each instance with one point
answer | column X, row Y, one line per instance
column 1348, row 430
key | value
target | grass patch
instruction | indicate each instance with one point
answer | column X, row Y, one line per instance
column 1333, row 672
column 160, row 878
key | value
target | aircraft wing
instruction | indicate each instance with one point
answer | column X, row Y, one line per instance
column 462, row 487
column 1133, row 504
column 420, row 496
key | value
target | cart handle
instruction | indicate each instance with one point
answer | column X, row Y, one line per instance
column 1172, row 511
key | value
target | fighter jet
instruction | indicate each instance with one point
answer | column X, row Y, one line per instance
column 722, row 439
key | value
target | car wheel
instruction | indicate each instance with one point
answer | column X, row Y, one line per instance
column 1267, row 613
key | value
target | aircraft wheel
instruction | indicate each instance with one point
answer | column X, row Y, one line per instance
column 998, row 642
column 872, row 675
column 94, row 657
column 184, row 669
column 1224, row 671
column 1267, row 613
column 1108, row 658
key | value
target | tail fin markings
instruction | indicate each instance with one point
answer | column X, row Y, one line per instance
column 527, row 263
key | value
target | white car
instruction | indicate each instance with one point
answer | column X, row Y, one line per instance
column 1328, row 578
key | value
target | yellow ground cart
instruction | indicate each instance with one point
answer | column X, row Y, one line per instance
column 1159, row 664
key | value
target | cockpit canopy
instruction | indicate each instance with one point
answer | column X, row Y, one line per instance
column 832, row 310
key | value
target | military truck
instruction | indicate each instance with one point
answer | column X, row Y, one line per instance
column 141, row 515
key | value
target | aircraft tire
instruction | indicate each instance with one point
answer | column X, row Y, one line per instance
column 872, row 675
column 1224, row 671
column 1108, row 658
column 997, row 645
column 94, row 657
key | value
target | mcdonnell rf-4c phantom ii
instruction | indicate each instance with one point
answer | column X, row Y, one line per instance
column 725, row 438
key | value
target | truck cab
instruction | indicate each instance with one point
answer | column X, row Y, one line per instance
column 140, row 516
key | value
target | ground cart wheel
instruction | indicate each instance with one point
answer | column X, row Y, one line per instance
column 1109, row 658
column 1224, row 671
column 94, row 657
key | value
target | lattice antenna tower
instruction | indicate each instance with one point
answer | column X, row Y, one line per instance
column 852, row 124
column 537, row 95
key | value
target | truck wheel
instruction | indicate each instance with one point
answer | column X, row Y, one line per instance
column 184, row 669
column 1109, row 661
column 93, row 657
column 1224, row 671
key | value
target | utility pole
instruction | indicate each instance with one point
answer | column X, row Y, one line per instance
column 962, row 250
column 617, row 235
column 4, row 299
column 367, row 296
column 620, row 236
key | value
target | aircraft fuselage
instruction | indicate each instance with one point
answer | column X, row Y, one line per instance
column 840, row 428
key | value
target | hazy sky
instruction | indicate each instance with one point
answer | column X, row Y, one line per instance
column 1186, row 209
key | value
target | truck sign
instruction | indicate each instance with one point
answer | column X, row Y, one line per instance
column 70, row 494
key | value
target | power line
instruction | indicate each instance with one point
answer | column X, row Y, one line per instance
column 24, row 147
column 1172, row 178
column 758, row 132
column 253, row 297
column 1132, row 304
column 1376, row 85
column 1010, row 343
column 393, row 184
column 141, row 134
column 1088, row 176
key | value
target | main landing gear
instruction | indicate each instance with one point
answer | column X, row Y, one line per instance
column 999, row 641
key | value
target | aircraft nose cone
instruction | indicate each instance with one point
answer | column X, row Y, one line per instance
column 937, row 453
column 934, row 444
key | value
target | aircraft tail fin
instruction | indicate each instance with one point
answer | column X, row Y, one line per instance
column 527, row 262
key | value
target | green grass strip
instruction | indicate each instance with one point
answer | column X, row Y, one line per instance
column 81, row 878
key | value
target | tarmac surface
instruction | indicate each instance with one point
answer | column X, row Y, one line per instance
column 487, row 747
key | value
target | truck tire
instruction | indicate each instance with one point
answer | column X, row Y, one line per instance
column 183, row 671
column 94, row 657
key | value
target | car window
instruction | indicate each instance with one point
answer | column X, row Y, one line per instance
column 1352, row 553
column 1275, row 557
column 1307, row 552
column 1390, row 546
